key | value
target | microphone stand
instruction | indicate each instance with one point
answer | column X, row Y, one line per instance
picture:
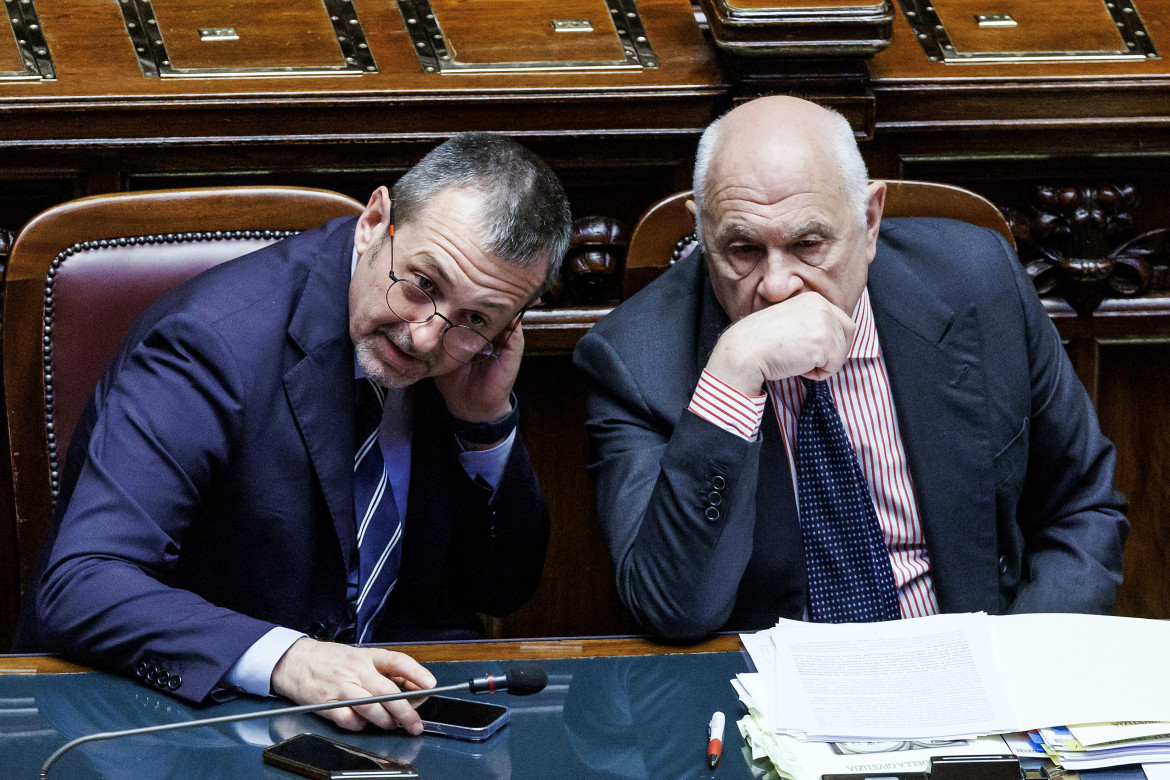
column 328, row 705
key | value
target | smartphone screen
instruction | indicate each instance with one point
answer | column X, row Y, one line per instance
column 461, row 718
column 315, row 756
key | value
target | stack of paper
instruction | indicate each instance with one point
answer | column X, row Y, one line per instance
column 1097, row 745
column 957, row 677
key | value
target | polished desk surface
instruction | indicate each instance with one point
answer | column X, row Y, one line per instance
column 614, row 708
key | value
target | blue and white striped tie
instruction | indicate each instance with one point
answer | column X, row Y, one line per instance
column 379, row 527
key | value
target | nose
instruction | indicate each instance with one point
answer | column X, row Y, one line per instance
column 426, row 336
column 778, row 282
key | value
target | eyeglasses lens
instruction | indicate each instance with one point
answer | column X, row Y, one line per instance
column 411, row 303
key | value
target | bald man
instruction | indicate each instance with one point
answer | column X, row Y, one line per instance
column 990, row 480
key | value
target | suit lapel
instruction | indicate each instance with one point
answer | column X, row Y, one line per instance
column 320, row 385
column 712, row 321
column 936, row 379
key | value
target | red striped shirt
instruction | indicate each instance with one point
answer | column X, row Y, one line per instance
column 861, row 393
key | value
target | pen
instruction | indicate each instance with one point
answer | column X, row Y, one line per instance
column 714, row 740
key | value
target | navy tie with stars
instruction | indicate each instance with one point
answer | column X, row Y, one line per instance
column 849, row 574
column 379, row 528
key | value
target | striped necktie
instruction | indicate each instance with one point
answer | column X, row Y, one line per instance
column 849, row 575
column 379, row 528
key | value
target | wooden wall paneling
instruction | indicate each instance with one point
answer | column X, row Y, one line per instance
column 101, row 95
column 26, row 190
column 577, row 595
column 9, row 544
column 1134, row 408
column 1085, row 354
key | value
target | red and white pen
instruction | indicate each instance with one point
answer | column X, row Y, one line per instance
column 715, row 740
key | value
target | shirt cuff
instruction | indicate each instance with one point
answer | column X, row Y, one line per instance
column 488, row 465
column 721, row 404
column 252, row 673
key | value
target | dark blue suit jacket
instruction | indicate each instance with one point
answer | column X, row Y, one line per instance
column 1013, row 478
column 213, row 493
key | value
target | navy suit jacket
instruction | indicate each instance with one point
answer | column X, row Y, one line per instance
column 208, row 493
column 1013, row 478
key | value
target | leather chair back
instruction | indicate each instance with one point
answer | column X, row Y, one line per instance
column 78, row 277
column 660, row 237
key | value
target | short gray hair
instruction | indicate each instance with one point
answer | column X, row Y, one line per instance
column 523, row 210
column 850, row 166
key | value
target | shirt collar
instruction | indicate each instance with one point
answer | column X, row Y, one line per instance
column 865, row 340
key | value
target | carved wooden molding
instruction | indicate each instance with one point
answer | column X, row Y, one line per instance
column 591, row 272
column 7, row 239
column 1078, row 242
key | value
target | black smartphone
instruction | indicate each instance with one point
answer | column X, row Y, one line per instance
column 462, row 718
column 321, row 758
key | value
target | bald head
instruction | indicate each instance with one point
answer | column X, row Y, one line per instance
column 783, row 207
column 781, row 138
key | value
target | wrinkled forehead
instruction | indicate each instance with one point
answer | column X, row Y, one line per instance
column 777, row 173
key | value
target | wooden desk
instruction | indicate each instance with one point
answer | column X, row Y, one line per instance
column 613, row 707
column 439, row 652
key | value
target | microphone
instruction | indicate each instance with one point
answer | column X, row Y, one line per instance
column 519, row 679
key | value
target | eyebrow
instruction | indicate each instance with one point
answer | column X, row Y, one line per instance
column 812, row 226
column 735, row 231
column 432, row 266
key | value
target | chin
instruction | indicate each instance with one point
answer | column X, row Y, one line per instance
column 381, row 372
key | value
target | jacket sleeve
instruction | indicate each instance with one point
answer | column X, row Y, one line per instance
column 1071, row 517
column 676, row 500
column 108, row 594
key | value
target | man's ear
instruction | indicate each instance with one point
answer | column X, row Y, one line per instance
column 875, row 204
column 691, row 208
column 374, row 221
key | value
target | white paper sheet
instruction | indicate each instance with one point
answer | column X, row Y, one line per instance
column 958, row 675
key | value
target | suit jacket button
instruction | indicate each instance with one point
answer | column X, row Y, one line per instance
column 712, row 513
column 718, row 482
column 151, row 675
column 714, row 498
column 174, row 682
column 318, row 631
column 140, row 669
column 1003, row 567
column 161, row 678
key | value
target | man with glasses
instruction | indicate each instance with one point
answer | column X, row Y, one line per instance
column 315, row 446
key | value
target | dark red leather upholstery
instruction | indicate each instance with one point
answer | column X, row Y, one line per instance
column 79, row 275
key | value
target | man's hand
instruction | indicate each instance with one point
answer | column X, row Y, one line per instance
column 481, row 392
column 802, row 336
column 311, row 672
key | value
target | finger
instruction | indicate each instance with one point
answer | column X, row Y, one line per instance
column 388, row 714
column 404, row 716
column 412, row 675
column 513, row 340
column 392, row 664
column 344, row 717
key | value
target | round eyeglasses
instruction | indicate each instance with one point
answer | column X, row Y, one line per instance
column 411, row 303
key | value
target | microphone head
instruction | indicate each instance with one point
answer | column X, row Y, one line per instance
column 525, row 678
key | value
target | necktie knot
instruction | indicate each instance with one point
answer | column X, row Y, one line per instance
column 815, row 391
